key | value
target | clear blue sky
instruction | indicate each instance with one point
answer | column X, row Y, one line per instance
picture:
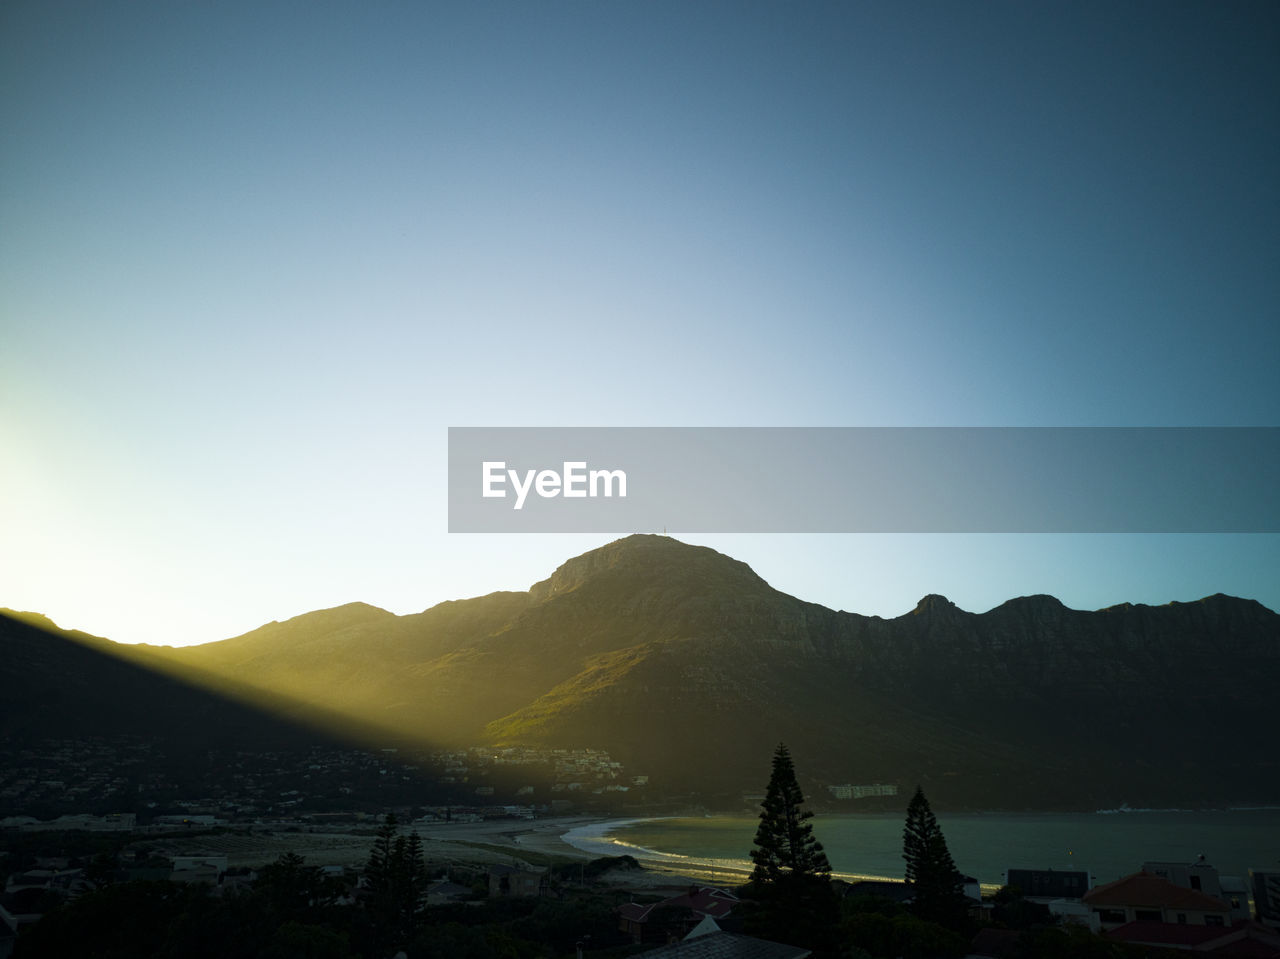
column 255, row 258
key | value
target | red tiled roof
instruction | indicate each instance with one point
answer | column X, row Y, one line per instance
column 1143, row 890
column 1167, row 933
column 705, row 902
column 1242, row 940
column 728, row 945
column 1248, row 949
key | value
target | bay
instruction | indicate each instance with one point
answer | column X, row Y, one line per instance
column 983, row 845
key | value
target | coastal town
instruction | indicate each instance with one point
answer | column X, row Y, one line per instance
column 521, row 825
column 92, row 779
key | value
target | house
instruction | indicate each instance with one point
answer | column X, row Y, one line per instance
column 850, row 791
column 441, row 891
column 61, row 881
column 708, row 941
column 675, row 917
column 1235, row 893
column 204, row 872
column 1243, row 939
column 1266, row 895
column 204, row 820
column 191, row 869
column 1147, row 898
column 1060, row 890
column 1204, row 877
column 1194, row 875
column 1046, row 885
column 509, row 881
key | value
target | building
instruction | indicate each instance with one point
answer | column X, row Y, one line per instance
column 1046, row 885
column 1266, row 895
column 1195, row 875
column 184, row 863
column 849, row 791
column 1242, row 939
column 112, row 822
column 708, row 941
column 204, row 821
column 515, row 881
column 1143, row 897
column 441, row 891
column 674, row 918
column 1235, row 892
column 1201, row 876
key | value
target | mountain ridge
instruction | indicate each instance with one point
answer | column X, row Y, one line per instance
column 688, row 666
column 573, row 572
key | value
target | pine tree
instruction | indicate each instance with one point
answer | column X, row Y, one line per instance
column 291, row 887
column 791, row 879
column 380, row 870
column 397, row 878
column 784, row 840
column 937, row 886
column 410, row 878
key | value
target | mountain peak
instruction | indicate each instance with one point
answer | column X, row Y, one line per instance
column 934, row 603
column 43, row 623
column 647, row 556
column 336, row 615
column 297, row 628
column 38, row 620
column 1036, row 601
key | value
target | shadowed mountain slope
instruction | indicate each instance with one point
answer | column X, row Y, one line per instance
column 68, row 684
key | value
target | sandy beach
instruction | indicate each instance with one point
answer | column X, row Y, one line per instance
column 472, row 845
column 442, row 843
column 581, row 838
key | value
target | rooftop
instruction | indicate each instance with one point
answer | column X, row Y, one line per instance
column 1145, row 890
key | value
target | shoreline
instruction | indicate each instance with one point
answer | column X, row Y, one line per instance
column 580, row 838
column 561, row 840
column 595, row 839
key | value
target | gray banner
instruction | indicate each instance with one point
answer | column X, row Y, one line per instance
column 864, row 480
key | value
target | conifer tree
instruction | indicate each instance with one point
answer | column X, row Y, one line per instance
column 397, row 878
column 380, row 870
column 937, row 886
column 410, row 877
column 791, row 879
column 784, row 844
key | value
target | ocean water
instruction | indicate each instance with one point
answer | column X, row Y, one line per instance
column 1107, row 846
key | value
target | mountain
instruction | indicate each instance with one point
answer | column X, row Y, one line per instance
column 688, row 667
column 65, row 684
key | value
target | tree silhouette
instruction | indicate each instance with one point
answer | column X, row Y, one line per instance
column 790, row 881
column 292, row 888
column 410, row 877
column 380, row 867
column 397, row 878
column 936, row 884
column 784, row 844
